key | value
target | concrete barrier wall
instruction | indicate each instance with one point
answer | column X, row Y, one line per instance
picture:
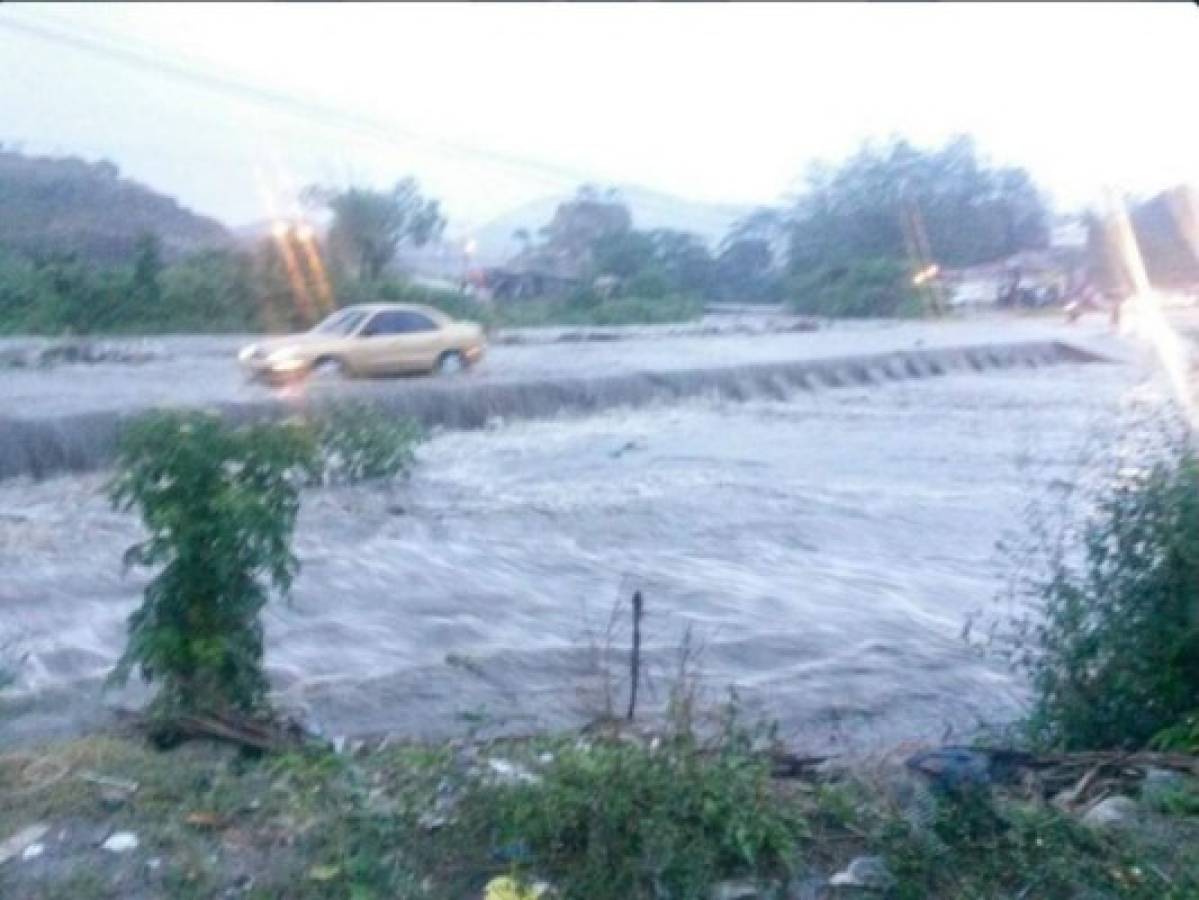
column 42, row 447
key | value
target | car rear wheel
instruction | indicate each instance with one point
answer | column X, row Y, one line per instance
column 451, row 363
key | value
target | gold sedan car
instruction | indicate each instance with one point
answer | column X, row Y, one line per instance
column 371, row 339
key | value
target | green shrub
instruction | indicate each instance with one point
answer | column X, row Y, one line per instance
column 455, row 304
column 1115, row 658
column 586, row 308
column 1182, row 736
column 978, row 846
column 870, row 287
column 358, row 442
column 626, row 821
column 220, row 504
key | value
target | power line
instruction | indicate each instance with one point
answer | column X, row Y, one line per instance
column 123, row 52
column 298, row 108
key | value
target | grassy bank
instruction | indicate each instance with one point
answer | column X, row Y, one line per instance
column 596, row 817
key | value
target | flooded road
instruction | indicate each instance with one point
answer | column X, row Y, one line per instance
column 197, row 370
column 824, row 550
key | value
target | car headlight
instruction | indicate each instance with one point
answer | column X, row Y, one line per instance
column 285, row 359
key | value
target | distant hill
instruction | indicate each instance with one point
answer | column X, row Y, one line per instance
column 68, row 204
column 650, row 209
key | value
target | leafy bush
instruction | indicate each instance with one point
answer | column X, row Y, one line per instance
column 625, row 821
column 981, row 846
column 453, row 303
column 1182, row 736
column 220, row 504
column 213, row 291
column 358, row 442
column 587, row 309
column 871, row 287
column 1115, row 658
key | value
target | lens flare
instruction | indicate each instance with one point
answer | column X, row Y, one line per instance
column 295, row 276
column 1146, row 319
column 306, row 235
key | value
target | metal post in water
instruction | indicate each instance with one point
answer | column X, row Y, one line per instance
column 635, row 657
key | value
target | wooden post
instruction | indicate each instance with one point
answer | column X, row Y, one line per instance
column 635, row 658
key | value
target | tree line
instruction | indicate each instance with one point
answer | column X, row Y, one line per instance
column 847, row 243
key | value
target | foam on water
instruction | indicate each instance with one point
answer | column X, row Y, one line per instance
column 824, row 549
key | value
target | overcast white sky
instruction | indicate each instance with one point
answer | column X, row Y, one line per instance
column 719, row 102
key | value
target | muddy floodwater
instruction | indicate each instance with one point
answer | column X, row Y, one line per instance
column 824, row 552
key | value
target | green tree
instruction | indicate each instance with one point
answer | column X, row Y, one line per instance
column 622, row 253
column 144, row 301
column 369, row 226
column 867, row 287
column 1114, row 659
column 220, row 504
column 745, row 271
column 210, row 291
column 684, row 261
column 579, row 223
column 971, row 212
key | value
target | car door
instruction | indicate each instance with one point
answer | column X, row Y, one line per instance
column 396, row 341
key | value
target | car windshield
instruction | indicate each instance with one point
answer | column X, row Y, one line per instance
column 340, row 323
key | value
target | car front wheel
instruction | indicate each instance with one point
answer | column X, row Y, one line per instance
column 451, row 363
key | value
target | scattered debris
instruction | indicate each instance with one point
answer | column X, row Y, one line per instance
column 119, row 784
column 234, row 728
column 865, row 872
column 75, row 352
column 114, row 792
column 1160, row 783
column 784, row 764
column 16, row 844
column 510, row 772
column 202, row 819
column 324, row 873
column 953, row 769
column 1072, row 780
column 120, row 842
column 507, row 888
column 734, row 890
column 33, row 851
column 1112, row 812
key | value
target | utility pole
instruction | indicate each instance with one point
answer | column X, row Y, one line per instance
column 915, row 239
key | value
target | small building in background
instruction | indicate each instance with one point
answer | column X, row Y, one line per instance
column 513, row 283
column 1030, row 278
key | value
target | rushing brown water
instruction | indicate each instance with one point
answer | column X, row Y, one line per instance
column 824, row 548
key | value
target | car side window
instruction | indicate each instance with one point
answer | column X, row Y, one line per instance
column 398, row 322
